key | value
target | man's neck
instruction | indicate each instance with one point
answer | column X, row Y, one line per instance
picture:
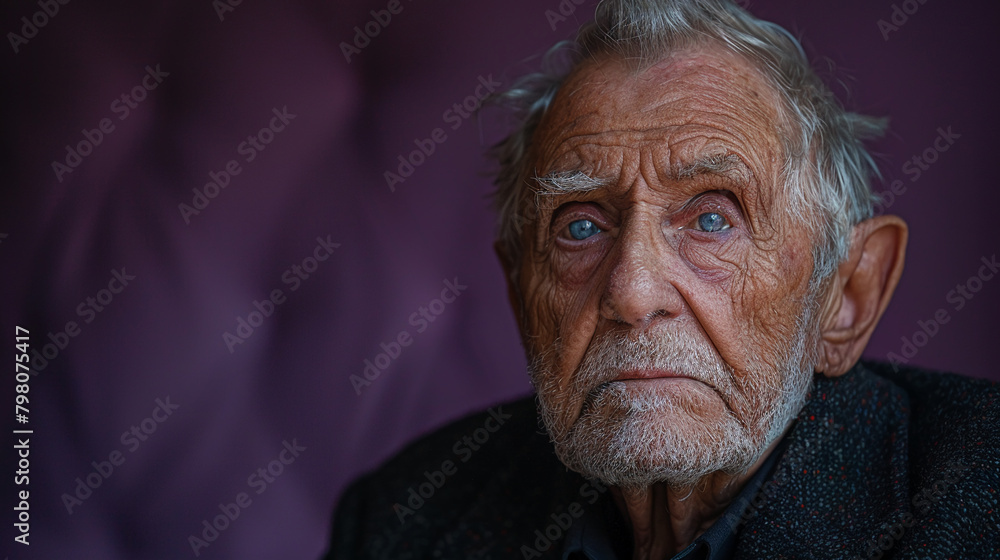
column 666, row 520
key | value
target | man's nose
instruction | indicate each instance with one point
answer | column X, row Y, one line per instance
column 640, row 289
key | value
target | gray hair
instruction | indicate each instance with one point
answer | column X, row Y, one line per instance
column 827, row 169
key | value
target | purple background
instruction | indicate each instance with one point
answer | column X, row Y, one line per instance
column 323, row 176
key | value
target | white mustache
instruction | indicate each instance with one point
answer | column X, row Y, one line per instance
column 614, row 353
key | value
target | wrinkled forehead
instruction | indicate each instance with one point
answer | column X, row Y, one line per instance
column 693, row 105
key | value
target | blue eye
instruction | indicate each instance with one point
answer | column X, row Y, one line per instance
column 582, row 229
column 712, row 222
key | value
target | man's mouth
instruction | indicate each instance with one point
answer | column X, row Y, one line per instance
column 643, row 374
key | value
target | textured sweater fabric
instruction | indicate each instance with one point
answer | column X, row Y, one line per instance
column 879, row 464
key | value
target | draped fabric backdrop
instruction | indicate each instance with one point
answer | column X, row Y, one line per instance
column 198, row 231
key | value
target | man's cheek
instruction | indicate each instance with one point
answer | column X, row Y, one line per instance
column 541, row 306
column 578, row 324
column 772, row 298
column 714, row 261
column 564, row 324
column 768, row 327
column 574, row 270
column 759, row 316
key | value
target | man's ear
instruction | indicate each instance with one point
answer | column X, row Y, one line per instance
column 860, row 292
column 510, row 276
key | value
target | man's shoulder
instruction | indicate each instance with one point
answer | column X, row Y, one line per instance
column 944, row 405
column 954, row 464
column 889, row 463
column 488, row 477
column 930, row 402
column 953, row 423
column 924, row 381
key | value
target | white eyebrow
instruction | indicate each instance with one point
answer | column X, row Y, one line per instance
column 576, row 181
column 567, row 182
column 718, row 163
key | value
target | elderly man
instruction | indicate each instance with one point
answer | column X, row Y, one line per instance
column 687, row 233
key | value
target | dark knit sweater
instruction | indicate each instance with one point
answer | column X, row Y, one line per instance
column 879, row 464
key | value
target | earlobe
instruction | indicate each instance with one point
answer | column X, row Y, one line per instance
column 860, row 292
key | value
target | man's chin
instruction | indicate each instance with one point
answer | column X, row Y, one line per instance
column 638, row 434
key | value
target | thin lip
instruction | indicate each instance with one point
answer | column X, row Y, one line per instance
column 635, row 375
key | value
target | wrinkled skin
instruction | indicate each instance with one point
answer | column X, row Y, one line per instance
column 651, row 268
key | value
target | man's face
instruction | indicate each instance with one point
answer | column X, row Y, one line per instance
column 667, row 311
